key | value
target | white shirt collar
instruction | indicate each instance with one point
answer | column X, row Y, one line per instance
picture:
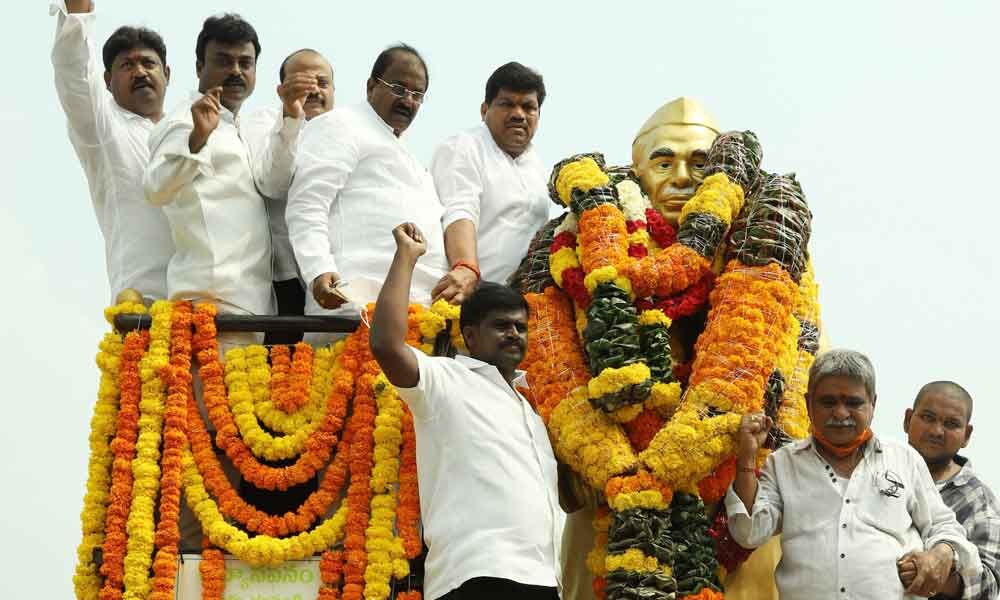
column 520, row 377
column 485, row 131
column 368, row 109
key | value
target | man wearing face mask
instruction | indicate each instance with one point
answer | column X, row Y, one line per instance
column 110, row 113
column 488, row 499
column 305, row 67
column 209, row 179
column 355, row 180
column 492, row 184
column 859, row 516
column 938, row 426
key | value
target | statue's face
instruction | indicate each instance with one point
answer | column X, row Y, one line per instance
column 669, row 161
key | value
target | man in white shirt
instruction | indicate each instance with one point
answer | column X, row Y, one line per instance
column 302, row 66
column 110, row 116
column 488, row 495
column 212, row 184
column 355, row 180
column 859, row 516
column 492, row 184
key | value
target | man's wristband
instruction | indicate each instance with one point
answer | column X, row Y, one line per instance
column 468, row 265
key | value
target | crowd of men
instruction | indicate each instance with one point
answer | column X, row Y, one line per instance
column 301, row 206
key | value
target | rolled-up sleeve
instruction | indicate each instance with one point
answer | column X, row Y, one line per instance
column 172, row 165
column 458, row 180
column 327, row 155
column 936, row 522
column 752, row 529
column 274, row 151
column 79, row 83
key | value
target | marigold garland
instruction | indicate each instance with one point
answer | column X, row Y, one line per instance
column 123, row 449
column 213, row 572
column 408, row 513
column 86, row 582
column 268, row 414
column 178, row 376
column 319, row 446
column 146, row 464
column 331, row 569
column 292, row 392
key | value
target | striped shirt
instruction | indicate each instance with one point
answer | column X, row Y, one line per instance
column 977, row 511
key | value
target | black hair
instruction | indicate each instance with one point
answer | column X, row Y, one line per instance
column 229, row 28
column 284, row 63
column 127, row 38
column 947, row 387
column 517, row 78
column 385, row 58
column 489, row 296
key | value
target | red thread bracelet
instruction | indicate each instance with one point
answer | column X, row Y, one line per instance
column 469, row 266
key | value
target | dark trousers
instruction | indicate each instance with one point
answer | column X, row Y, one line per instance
column 493, row 588
column 291, row 302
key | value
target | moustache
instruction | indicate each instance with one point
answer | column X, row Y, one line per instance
column 317, row 98
column 844, row 423
column 669, row 190
column 402, row 109
column 234, row 81
column 141, row 83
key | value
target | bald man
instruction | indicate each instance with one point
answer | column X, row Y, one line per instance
column 302, row 66
column 938, row 426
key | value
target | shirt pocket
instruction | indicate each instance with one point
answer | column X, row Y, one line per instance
column 888, row 514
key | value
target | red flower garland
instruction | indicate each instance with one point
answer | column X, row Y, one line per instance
column 566, row 239
column 123, row 448
column 642, row 429
column 662, row 232
column 713, row 487
column 178, row 374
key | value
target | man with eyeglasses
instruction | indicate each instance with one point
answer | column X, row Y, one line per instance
column 938, row 426
column 355, row 181
column 859, row 516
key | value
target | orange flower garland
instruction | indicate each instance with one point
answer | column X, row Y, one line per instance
column 555, row 363
column 292, row 392
column 408, row 513
column 213, row 572
column 603, row 237
column 713, row 488
column 281, row 365
column 331, row 569
column 123, row 448
column 706, row 593
column 319, row 446
column 178, row 374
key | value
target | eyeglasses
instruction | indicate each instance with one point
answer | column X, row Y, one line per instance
column 892, row 486
column 400, row 91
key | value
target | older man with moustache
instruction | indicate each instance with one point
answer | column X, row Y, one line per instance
column 853, row 509
column 110, row 113
column 938, row 426
column 492, row 184
column 355, row 180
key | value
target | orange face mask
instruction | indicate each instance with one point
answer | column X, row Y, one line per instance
column 841, row 451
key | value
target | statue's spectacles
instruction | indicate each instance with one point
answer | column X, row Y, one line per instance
column 401, row 91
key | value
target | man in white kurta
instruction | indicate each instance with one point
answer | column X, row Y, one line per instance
column 209, row 181
column 111, row 139
column 355, row 180
column 492, row 183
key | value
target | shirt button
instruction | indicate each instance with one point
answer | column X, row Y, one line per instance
column 843, row 526
column 827, row 467
column 843, row 589
column 841, row 555
column 848, row 500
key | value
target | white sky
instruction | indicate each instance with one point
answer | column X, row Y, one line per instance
column 887, row 112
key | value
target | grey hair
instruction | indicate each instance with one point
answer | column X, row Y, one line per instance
column 843, row 363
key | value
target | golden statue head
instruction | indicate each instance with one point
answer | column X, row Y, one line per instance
column 669, row 153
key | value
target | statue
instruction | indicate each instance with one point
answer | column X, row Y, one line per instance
column 674, row 297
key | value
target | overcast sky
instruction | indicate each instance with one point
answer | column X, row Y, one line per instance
column 885, row 110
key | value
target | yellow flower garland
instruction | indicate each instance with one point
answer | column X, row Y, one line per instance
column 261, row 443
column 596, row 558
column 664, row 398
column 560, row 260
column 583, row 174
column 386, row 557
column 86, row 581
column 259, row 379
column 589, row 441
column 261, row 549
column 607, row 274
column 635, row 559
column 146, row 464
column 689, row 445
column 613, row 380
column 654, row 317
column 716, row 196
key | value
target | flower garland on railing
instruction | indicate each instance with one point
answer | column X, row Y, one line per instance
column 141, row 526
column 178, row 376
column 292, row 387
column 86, row 582
column 213, row 572
column 123, row 448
